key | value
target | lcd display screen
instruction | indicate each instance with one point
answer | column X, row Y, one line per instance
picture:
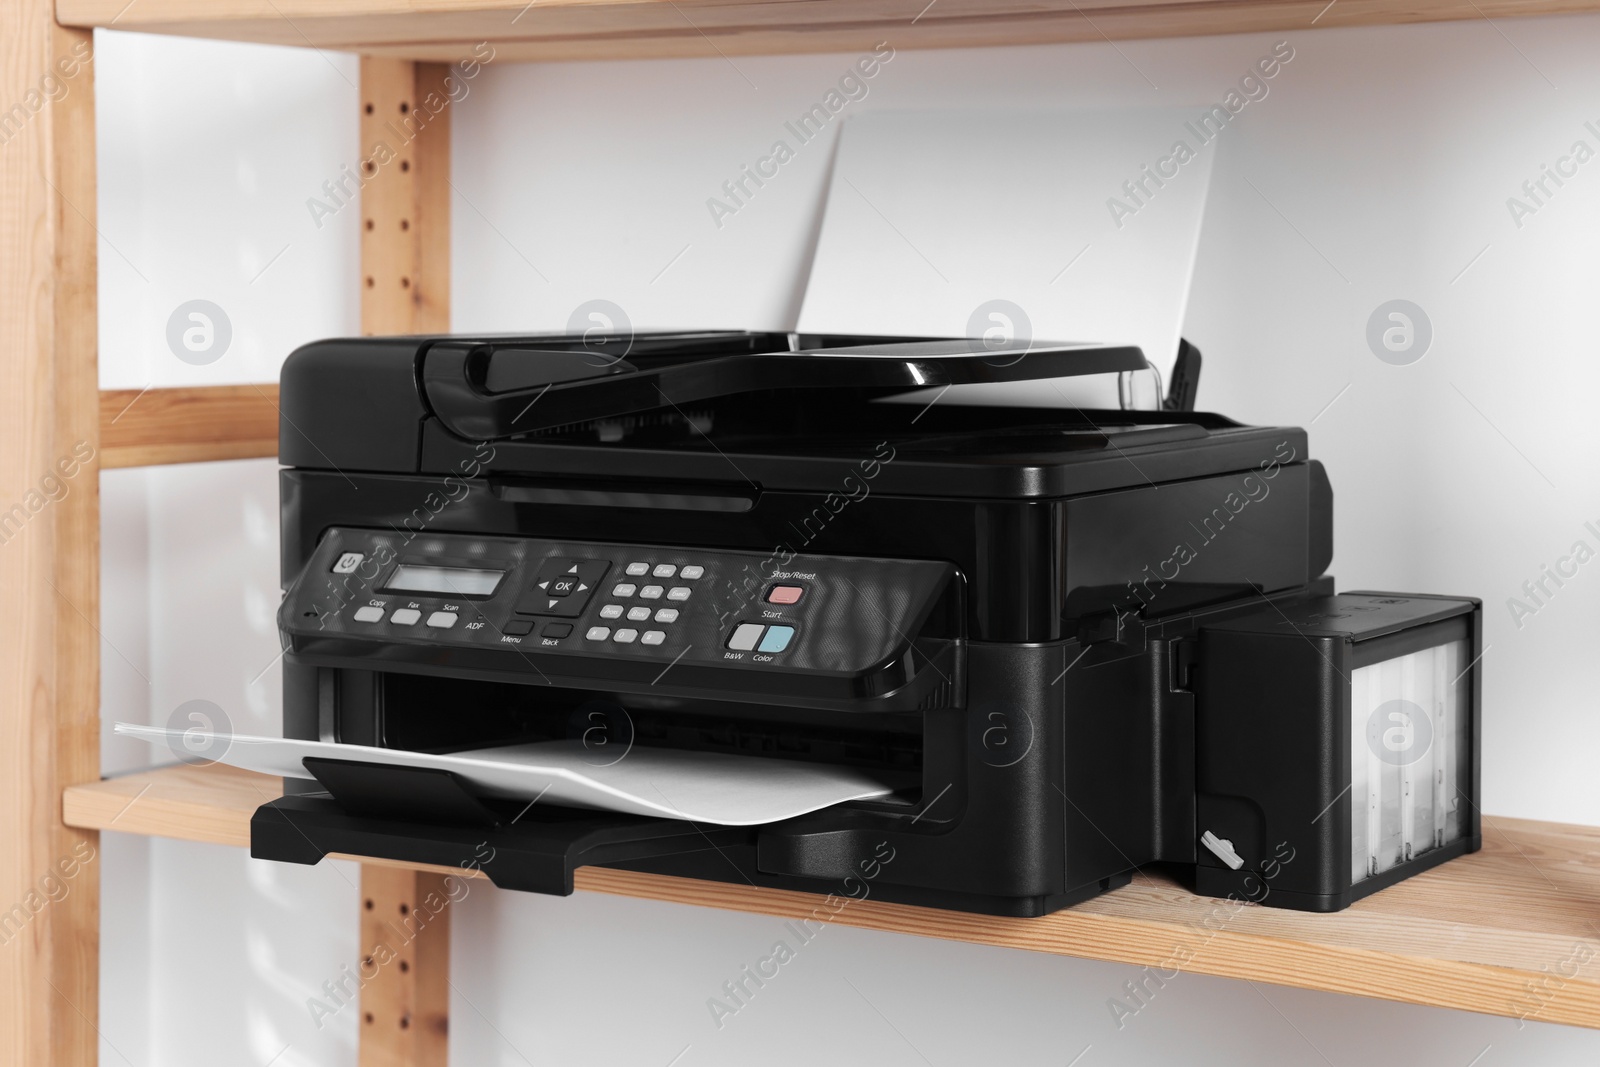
column 460, row 581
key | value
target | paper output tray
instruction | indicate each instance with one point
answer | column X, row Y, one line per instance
column 426, row 815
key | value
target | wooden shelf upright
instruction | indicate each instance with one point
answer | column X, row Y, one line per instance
column 1483, row 933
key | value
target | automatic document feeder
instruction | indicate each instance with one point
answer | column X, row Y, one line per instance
column 1056, row 644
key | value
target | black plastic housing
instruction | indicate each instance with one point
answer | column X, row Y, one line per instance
column 1273, row 740
column 1040, row 718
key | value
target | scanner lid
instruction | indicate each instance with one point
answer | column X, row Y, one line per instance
column 777, row 410
column 486, row 389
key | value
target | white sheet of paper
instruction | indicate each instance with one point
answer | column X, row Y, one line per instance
column 933, row 215
column 709, row 787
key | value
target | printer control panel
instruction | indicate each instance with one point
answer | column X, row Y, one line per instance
column 408, row 595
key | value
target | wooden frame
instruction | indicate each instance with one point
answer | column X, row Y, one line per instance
column 446, row 30
column 1482, row 933
column 49, row 561
column 145, row 427
column 405, row 267
column 1506, row 931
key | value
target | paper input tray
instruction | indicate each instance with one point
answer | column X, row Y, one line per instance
column 427, row 815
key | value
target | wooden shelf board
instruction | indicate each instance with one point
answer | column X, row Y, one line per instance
column 144, row 427
column 448, row 30
column 1483, row 933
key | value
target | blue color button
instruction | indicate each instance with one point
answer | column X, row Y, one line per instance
column 777, row 639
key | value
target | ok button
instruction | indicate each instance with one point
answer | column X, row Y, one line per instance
column 564, row 585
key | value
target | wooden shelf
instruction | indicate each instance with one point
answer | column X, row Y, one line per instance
column 141, row 427
column 447, row 30
column 1483, row 933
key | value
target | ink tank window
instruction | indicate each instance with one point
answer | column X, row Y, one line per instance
column 1410, row 723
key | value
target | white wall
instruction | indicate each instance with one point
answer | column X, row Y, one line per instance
column 1378, row 167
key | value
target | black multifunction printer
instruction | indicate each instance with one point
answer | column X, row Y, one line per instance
column 1073, row 642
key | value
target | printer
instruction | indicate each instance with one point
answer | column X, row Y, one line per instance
column 1071, row 643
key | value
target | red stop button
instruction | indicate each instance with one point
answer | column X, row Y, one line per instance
column 785, row 594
